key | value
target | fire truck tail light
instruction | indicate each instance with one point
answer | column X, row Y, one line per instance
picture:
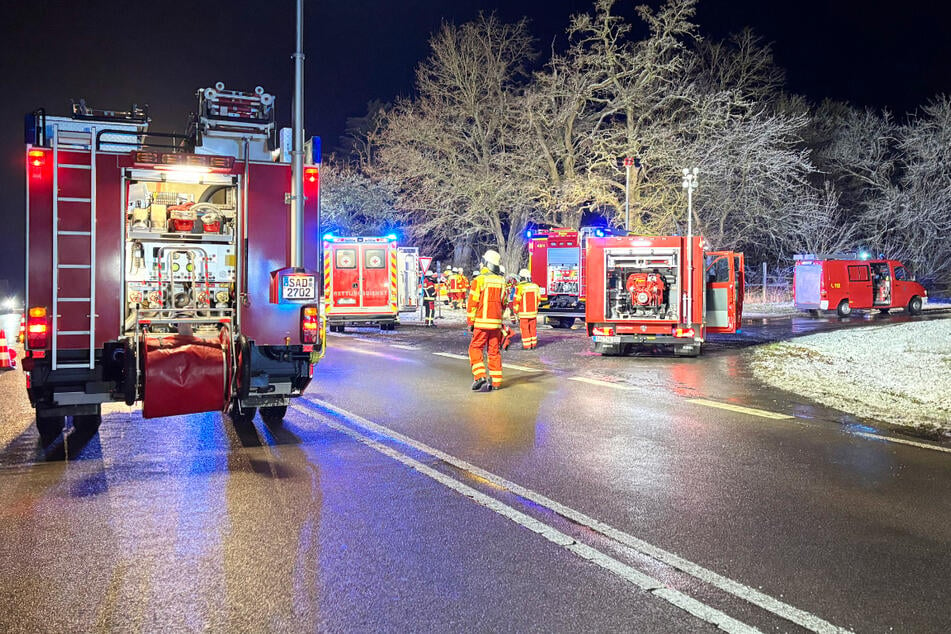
column 603, row 331
column 37, row 328
column 37, row 158
column 309, row 325
column 311, row 174
column 687, row 333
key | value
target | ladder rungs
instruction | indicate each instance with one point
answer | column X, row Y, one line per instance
column 74, row 200
column 73, row 299
column 73, row 166
column 73, row 266
column 74, row 233
column 72, row 365
column 73, row 332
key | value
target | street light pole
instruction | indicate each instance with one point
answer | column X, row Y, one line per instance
column 628, row 162
column 690, row 184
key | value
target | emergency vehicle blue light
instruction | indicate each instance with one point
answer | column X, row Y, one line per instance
column 528, row 234
column 599, row 233
column 329, row 237
column 391, row 236
column 863, row 255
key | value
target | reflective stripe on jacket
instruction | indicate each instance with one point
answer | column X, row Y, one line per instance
column 486, row 304
column 526, row 300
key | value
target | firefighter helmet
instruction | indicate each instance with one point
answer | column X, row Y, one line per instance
column 492, row 261
column 524, row 275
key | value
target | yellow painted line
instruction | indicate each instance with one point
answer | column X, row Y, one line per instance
column 616, row 386
column 762, row 413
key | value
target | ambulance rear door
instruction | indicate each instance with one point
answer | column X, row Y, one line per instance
column 376, row 271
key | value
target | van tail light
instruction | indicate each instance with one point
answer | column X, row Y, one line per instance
column 37, row 328
column 686, row 333
column 603, row 331
column 309, row 325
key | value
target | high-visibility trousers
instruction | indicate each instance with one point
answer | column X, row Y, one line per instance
column 488, row 341
column 528, row 327
column 429, row 306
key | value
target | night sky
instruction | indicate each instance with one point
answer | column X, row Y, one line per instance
column 892, row 55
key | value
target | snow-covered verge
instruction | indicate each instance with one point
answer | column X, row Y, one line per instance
column 896, row 373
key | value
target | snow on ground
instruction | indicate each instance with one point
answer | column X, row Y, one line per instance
column 896, row 373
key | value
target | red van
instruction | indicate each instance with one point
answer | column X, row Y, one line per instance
column 844, row 285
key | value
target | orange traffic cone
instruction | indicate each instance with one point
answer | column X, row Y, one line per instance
column 6, row 360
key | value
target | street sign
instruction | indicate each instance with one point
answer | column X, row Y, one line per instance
column 628, row 162
column 424, row 263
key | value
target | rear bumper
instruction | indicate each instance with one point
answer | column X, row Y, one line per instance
column 361, row 318
column 648, row 339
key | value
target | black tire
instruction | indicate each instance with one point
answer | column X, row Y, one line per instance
column 844, row 309
column 274, row 415
column 884, row 311
column 87, row 423
column 680, row 352
column 130, row 373
column 49, row 426
column 567, row 322
column 243, row 417
column 243, row 368
column 914, row 305
column 814, row 313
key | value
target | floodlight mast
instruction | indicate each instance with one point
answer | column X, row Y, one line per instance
column 297, row 149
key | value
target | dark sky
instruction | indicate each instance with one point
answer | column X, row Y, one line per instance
column 895, row 55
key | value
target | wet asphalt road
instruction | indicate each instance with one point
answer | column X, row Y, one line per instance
column 490, row 514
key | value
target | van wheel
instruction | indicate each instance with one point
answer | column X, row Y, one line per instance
column 914, row 306
column 884, row 311
column 844, row 309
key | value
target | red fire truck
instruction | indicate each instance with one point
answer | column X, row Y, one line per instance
column 640, row 292
column 154, row 265
column 556, row 260
column 361, row 281
column 844, row 285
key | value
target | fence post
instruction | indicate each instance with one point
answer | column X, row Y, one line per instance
column 764, row 282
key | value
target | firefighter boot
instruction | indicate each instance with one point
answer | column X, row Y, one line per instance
column 487, row 387
column 478, row 384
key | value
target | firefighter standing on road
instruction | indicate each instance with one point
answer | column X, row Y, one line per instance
column 429, row 298
column 484, row 309
column 526, row 307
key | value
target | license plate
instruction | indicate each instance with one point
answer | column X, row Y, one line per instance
column 299, row 287
column 607, row 338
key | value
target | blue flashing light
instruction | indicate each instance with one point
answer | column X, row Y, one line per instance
column 599, row 233
column 329, row 237
column 391, row 236
column 863, row 255
column 528, row 234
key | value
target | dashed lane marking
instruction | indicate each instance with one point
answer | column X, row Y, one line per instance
column 762, row 413
column 523, row 368
column 403, row 346
column 769, row 603
column 633, row 576
column 616, row 386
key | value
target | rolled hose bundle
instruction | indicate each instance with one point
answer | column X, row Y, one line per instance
column 185, row 375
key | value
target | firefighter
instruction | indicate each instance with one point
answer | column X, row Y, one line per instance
column 429, row 298
column 452, row 287
column 525, row 306
column 484, row 310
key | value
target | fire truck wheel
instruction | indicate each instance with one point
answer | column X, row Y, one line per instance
column 844, row 308
column 243, row 417
column 87, row 423
column 49, row 427
column 884, row 311
column 274, row 415
column 814, row 314
column 130, row 371
column 914, row 306
column 244, row 368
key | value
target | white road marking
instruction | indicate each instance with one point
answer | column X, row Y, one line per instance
column 403, row 346
column 631, row 575
column 616, row 386
column 742, row 410
column 523, row 368
column 901, row 441
column 451, row 355
column 771, row 604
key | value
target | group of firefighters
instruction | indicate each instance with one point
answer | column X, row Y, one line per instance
column 489, row 296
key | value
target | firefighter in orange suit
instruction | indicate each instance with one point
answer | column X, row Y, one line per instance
column 526, row 307
column 484, row 315
column 452, row 287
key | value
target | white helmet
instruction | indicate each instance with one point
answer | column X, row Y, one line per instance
column 492, row 260
column 525, row 275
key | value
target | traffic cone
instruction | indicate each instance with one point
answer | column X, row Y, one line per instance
column 6, row 361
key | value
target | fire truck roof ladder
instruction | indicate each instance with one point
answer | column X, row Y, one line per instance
column 79, row 141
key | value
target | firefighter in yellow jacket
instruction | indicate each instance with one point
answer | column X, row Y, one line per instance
column 484, row 310
column 526, row 307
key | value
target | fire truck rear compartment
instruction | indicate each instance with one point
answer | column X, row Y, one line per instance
column 642, row 285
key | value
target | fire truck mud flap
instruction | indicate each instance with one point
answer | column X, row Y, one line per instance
column 184, row 375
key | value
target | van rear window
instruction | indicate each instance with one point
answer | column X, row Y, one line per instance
column 346, row 258
column 858, row 273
